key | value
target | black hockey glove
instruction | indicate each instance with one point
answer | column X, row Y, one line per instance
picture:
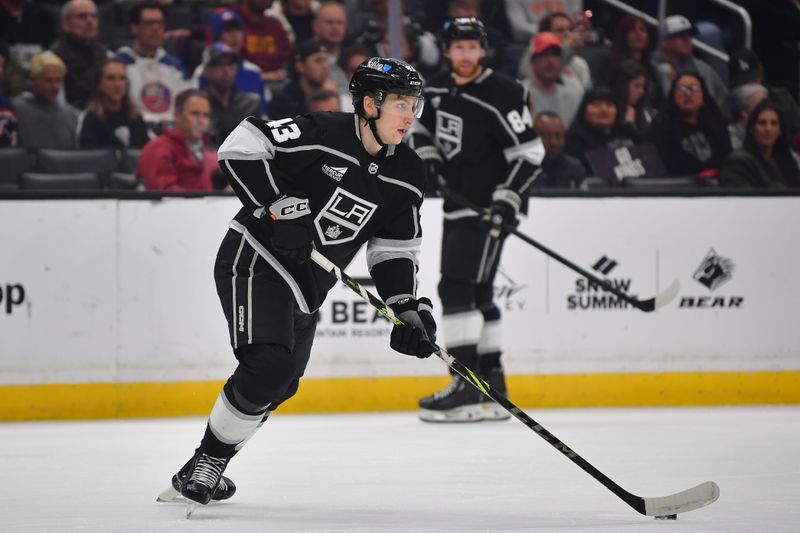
column 292, row 234
column 503, row 211
column 417, row 335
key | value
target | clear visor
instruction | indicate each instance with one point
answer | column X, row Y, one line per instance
column 399, row 105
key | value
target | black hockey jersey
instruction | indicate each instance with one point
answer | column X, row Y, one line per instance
column 482, row 131
column 354, row 199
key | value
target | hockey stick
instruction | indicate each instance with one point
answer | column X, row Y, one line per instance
column 649, row 305
column 660, row 507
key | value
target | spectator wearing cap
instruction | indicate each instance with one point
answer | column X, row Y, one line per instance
column 549, row 91
column 765, row 158
column 155, row 77
column 178, row 159
column 80, row 50
column 575, row 67
column 227, row 28
column 266, row 42
column 45, row 122
column 312, row 68
column 675, row 55
column 745, row 68
column 229, row 106
column 689, row 131
column 559, row 170
column 599, row 124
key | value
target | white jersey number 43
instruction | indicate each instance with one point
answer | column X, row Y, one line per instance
column 284, row 129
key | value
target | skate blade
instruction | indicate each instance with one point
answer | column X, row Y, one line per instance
column 191, row 507
column 170, row 495
column 466, row 413
column 494, row 412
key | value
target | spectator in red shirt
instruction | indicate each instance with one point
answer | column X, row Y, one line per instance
column 266, row 42
column 178, row 160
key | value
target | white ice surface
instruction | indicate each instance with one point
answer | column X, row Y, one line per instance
column 392, row 473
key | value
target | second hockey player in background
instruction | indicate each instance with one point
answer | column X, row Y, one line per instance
column 476, row 138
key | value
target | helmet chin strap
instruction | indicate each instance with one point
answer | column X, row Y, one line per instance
column 374, row 128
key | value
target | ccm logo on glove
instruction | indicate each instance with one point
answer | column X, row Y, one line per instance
column 289, row 208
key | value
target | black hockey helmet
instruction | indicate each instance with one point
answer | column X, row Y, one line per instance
column 463, row 28
column 379, row 76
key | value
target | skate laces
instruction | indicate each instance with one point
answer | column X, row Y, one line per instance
column 452, row 387
column 208, row 470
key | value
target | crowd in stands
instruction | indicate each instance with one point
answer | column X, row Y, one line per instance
column 167, row 81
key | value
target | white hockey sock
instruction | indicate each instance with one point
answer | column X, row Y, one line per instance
column 230, row 425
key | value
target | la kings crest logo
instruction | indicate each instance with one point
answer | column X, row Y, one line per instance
column 343, row 217
column 448, row 133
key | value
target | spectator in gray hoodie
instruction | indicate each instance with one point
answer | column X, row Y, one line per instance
column 44, row 122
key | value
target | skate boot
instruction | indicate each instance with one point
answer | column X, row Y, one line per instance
column 203, row 479
column 225, row 489
column 458, row 402
column 491, row 409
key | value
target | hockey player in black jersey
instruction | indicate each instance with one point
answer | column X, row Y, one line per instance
column 476, row 136
column 330, row 181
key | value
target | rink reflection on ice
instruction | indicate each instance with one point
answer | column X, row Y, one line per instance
column 390, row 472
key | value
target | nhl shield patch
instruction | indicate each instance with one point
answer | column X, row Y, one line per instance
column 343, row 217
column 448, row 133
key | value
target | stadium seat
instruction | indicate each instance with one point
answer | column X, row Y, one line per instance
column 130, row 159
column 65, row 181
column 599, row 60
column 100, row 161
column 593, row 183
column 13, row 162
column 683, row 182
column 122, row 181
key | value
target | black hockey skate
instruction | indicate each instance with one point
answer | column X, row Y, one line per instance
column 491, row 409
column 458, row 402
column 203, row 477
column 224, row 489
